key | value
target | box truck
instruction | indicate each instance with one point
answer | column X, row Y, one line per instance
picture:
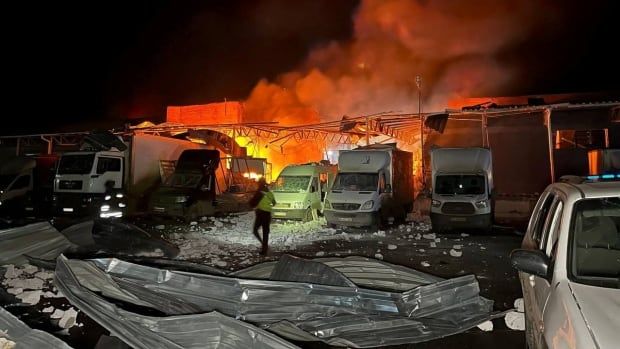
column 374, row 186
column 127, row 168
column 462, row 183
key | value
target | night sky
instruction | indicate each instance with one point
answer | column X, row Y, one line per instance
column 96, row 63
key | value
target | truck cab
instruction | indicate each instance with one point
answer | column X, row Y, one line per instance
column 191, row 189
column 300, row 190
column 462, row 185
column 82, row 179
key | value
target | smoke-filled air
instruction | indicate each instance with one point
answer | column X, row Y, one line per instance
column 452, row 45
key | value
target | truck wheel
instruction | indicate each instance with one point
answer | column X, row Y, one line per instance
column 308, row 216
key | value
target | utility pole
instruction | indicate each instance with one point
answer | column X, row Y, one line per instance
column 418, row 82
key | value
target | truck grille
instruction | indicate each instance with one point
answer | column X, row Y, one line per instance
column 345, row 206
column 70, row 185
column 458, row 208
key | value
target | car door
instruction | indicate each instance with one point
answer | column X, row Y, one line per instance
column 532, row 241
column 542, row 286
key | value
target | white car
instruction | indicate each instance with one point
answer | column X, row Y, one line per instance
column 569, row 265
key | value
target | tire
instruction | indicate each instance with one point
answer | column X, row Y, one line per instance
column 308, row 215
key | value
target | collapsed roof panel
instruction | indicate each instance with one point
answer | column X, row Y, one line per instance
column 338, row 315
column 17, row 333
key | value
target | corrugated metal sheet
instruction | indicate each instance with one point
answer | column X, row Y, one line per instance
column 25, row 337
column 39, row 240
column 338, row 315
column 203, row 330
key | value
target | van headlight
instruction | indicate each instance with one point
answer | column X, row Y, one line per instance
column 181, row 199
column 327, row 205
column 298, row 204
column 482, row 204
column 435, row 203
column 368, row 205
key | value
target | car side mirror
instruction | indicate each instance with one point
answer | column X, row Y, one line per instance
column 531, row 262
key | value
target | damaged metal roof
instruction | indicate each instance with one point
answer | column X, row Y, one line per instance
column 14, row 330
column 320, row 300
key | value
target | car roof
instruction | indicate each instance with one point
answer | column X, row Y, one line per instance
column 589, row 189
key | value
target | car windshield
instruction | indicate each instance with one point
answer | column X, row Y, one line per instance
column 596, row 242
column 291, row 184
column 459, row 185
column 76, row 164
column 5, row 180
column 356, row 181
column 183, row 180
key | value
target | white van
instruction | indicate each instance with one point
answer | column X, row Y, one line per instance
column 300, row 190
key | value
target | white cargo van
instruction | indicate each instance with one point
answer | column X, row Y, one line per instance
column 462, row 187
column 300, row 190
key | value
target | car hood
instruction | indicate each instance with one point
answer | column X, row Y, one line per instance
column 600, row 307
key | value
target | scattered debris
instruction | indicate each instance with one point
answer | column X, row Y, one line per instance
column 392, row 247
column 430, row 236
column 30, row 297
column 515, row 320
column 425, row 264
column 320, row 254
column 379, row 256
column 455, row 253
column 486, row 326
column 68, row 318
column 519, row 305
column 464, row 235
column 433, row 244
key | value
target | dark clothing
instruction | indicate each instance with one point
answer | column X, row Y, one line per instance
column 263, row 219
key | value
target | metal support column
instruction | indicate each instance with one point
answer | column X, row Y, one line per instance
column 547, row 114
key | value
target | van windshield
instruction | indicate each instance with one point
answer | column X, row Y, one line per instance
column 595, row 251
column 183, row 180
column 356, row 181
column 76, row 164
column 459, row 185
column 291, row 184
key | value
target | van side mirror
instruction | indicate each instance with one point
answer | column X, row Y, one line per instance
column 531, row 262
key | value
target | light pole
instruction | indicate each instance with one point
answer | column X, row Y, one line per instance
column 418, row 83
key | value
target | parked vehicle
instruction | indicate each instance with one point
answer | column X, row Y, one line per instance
column 300, row 190
column 129, row 166
column 26, row 186
column 462, row 182
column 569, row 265
column 374, row 186
column 191, row 189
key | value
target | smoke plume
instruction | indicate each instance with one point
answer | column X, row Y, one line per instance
column 452, row 45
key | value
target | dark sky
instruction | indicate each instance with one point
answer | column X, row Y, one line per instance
column 73, row 64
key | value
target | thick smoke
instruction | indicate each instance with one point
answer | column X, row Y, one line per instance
column 452, row 45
